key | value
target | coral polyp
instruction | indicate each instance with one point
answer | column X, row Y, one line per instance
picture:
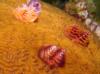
column 78, row 35
column 28, row 12
column 52, row 55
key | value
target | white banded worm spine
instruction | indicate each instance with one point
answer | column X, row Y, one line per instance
column 89, row 22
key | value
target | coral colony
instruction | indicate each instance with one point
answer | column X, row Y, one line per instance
column 77, row 35
column 28, row 12
column 52, row 55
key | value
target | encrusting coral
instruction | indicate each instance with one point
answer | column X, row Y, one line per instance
column 20, row 43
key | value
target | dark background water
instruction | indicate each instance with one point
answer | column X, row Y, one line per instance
column 97, row 3
column 58, row 3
